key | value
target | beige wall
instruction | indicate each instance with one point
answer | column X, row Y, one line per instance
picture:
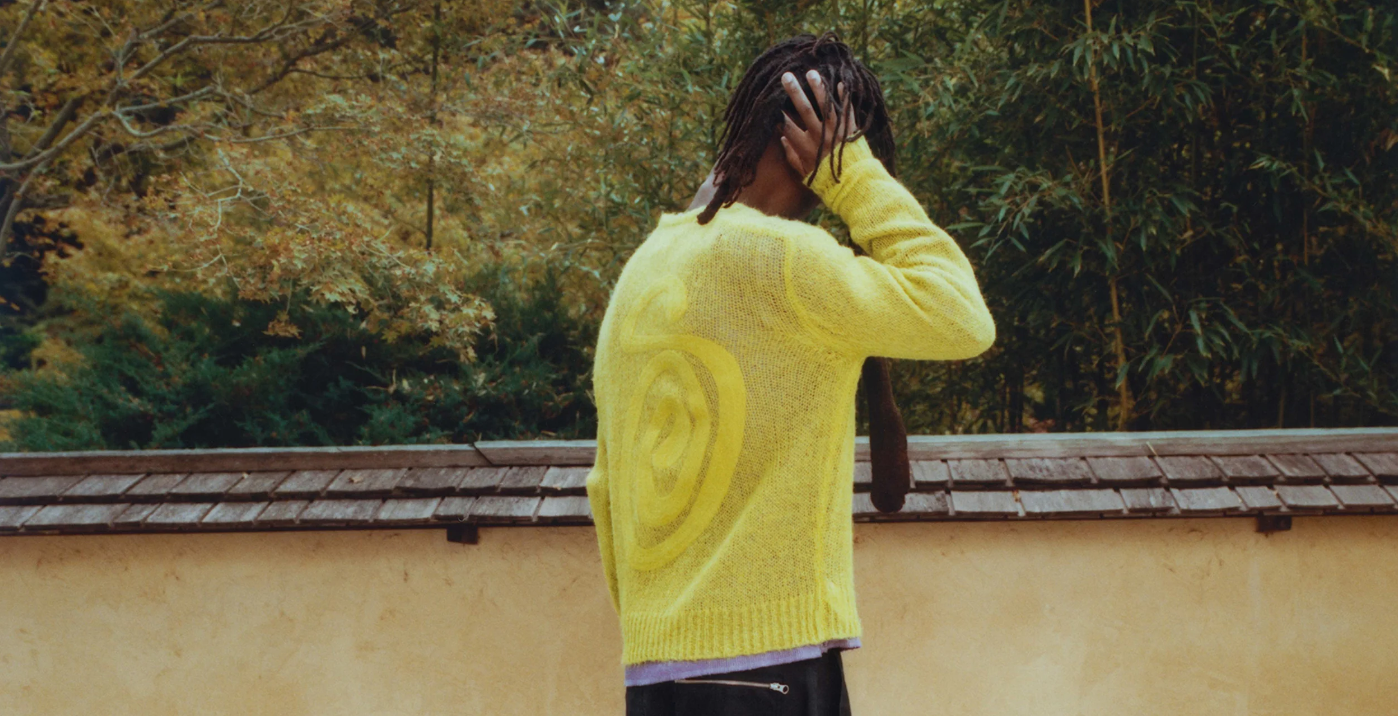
column 1086, row 617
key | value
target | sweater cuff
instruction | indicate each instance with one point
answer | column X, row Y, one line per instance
column 825, row 185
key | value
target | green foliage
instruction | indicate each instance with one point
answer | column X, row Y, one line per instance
column 16, row 346
column 1251, row 229
column 1217, row 250
column 203, row 373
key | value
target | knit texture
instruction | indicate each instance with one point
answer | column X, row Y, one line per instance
column 725, row 379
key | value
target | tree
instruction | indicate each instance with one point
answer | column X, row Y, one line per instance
column 137, row 79
column 200, row 372
column 1188, row 205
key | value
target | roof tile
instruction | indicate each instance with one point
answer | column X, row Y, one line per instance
column 1258, row 497
column 1384, row 465
column 1049, row 471
column 282, row 513
column 1118, row 471
column 305, row 483
column 330, row 512
column 207, row 485
column 483, row 479
column 565, row 479
column 1341, row 467
column 453, row 509
column 1298, row 468
column 101, row 487
column 522, row 479
column 1306, row 496
column 411, row 511
column 256, row 485
column 74, row 516
column 504, row 509
column 987, row 473
column 1392, row 491
column 134, row 515
column 154, row 487
column 12, row 517
column 20, row 490
column 1070, row 502
column 1362, row 496
column 431, row 480
column 565, row 509
column 1189, row 470
column 1147, row 500
column 982, row 503
column 365, row 483
column 1246, row 469
column 234, row 513
column 178, row 514
column 1205, row 500
column 930, row 473
column 926, row 503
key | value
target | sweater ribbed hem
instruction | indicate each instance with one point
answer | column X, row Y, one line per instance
column 754, row 629
column 655, row 672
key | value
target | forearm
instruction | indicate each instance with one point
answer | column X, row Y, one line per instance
column 915, row 295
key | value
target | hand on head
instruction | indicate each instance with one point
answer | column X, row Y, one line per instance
column 809, row 141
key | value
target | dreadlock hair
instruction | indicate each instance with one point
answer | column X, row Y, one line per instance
column 755, row 111
column 750, row 124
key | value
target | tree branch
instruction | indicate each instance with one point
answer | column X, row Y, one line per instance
column 281, row 135
column 5, row 58
column 15, row 201
column 65, row 115
column 267, row 34
column 45, row 156
column 188, row 97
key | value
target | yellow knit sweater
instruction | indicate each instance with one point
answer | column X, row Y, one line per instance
column 725, row 380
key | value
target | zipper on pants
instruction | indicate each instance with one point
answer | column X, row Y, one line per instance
column 781, row 688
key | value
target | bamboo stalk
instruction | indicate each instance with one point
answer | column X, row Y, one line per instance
column 1124, row 398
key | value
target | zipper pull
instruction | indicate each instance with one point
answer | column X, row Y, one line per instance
column 779, row 687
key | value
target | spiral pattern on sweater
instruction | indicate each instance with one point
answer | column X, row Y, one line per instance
column 670, row 430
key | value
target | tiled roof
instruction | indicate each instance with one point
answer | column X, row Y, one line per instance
column 989, row 477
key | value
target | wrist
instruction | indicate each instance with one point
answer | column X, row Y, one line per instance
column 846, row 157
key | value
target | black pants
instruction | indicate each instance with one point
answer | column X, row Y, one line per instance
column 814, row 687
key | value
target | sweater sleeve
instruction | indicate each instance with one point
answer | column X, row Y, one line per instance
column 914, row 296
column 599, row 499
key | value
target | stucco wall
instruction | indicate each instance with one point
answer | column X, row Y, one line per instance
column 1136, row 617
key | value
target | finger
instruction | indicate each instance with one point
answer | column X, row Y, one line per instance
column 801, row 140
column 793, row 158
column 827, row 108
column 818, row 88
column 803, row 105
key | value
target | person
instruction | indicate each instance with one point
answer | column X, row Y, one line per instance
column 725, row 377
